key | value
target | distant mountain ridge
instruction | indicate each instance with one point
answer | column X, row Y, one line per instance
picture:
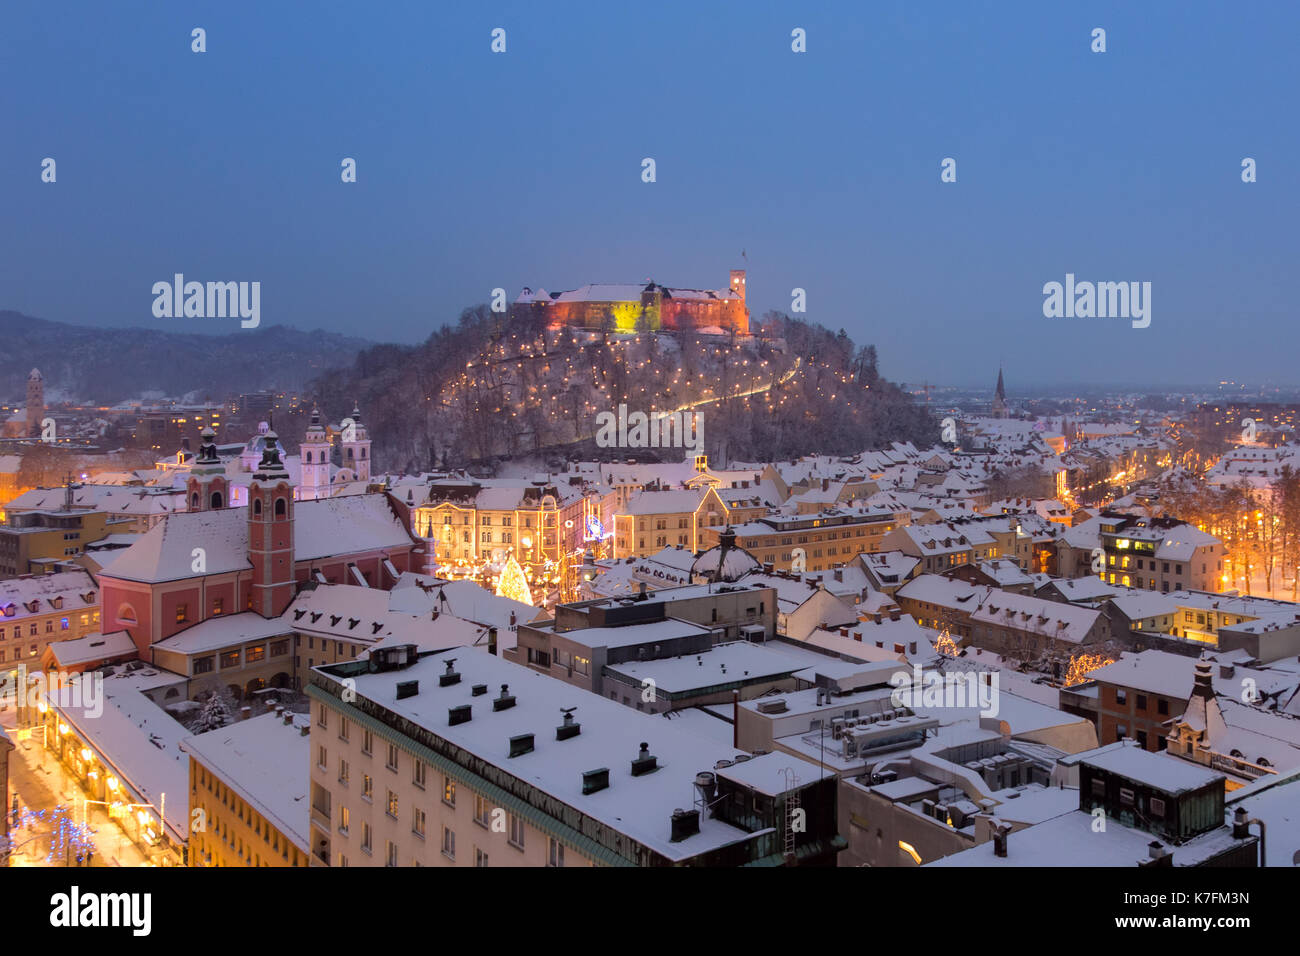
column 108, row 365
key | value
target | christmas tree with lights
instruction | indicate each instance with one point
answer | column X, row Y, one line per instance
column 513, row 583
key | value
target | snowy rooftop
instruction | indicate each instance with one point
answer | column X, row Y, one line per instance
column 139, row 741
column 1071, row 840
column 947, row 592
column 224, row 631
column 1162, row 771
column 1172, row 675
column 723, row 664
column 92, row 647
column 767, row 773
column 631, row 634
column 72, row 590
column 611, row 734
column 266, row 763
column 349, row 612
column 1276, row 801
column 322, row 528
column 1054, row 619
column 663, row 502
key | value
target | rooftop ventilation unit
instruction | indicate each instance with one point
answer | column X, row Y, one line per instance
column 686, row 823
column 645, row 762
column 393, row 658
column 570, row 727
column 706, row 785
column 458, row 715
column 450, row 677
column 407, row 688
column 521, row 744
column 594, row 780
column 478, row 690
column 505, row 701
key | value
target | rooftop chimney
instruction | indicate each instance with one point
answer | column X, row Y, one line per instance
column 594, row 780
column 1000, row 840
column 686, row 823
column 645, row 762
column 570, row 727
column 505, row 701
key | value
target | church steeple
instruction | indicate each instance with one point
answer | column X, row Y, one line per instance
column 315, row 454
column 270, row 532
column 1000, row 397
column 356, row 446
column 35, row 403
column 206, row 486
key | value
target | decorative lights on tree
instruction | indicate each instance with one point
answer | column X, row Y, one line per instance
column 1080, row 667
column 70, row 842
column 946, row 645
column 513, row 583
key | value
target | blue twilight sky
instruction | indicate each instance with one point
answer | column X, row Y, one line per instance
column 478, row 170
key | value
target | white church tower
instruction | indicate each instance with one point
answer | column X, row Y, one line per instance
column 356, row 446
column 314, row 458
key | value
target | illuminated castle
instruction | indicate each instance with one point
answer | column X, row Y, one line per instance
column 632, row 307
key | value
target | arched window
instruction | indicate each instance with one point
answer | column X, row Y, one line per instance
column 257, row 506
column 126, row 614
column 194, row 501
column 309, row 458
column 363, row 453
column 279, row 507
column 217, row 500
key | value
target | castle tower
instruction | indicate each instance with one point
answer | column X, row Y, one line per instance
column 1000, row 398
column 315, row 454
column 356, row 446
column 738, row 283
column 206, row 489
column 35, row 403
column 740, row 315
column 270, row 533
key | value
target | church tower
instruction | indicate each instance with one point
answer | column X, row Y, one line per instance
column 270, row 533
column 1000, row 398
column 206, row 489
column 356, row 446
column 35, row 403
column 315, row 455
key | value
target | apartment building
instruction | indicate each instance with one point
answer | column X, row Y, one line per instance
column 472, row 521
column 1029, row 628
column 599, row 645
column 37, row 610
column 458, row 758
column 1160, row 554
column 939, row 547
column 248, row 793
column 821, row 540
column 1139, row 695
column 39, row 541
